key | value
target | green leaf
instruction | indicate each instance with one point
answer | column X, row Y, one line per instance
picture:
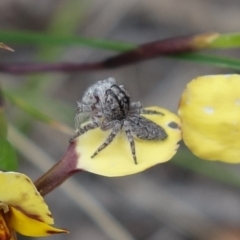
column 3, row 121
column 3, row 124
column 8, row 158
column 218, row 61
column 231, row 40
column 27, row 37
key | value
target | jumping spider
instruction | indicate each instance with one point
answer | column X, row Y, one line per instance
column 108, row 106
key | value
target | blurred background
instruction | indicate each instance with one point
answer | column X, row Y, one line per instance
column 183, row 199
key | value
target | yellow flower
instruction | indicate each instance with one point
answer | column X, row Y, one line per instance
column 210, row 113
column 22, row 208
column 116, row 159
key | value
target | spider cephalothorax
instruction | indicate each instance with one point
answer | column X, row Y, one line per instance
column 107, row 105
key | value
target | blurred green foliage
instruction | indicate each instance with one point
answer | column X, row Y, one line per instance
column 8, row 158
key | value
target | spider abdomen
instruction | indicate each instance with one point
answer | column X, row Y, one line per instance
column 145, row 129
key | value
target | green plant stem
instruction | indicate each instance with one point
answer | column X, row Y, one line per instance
column 27, row 37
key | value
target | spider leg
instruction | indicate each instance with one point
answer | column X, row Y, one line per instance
column 135, row 107
column 83, row 113
column 109, row 139
column 131, row 141
column 145, row 111
column 82, row 107
column 83, row 130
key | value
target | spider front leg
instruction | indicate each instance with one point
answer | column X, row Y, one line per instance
column 83, row 113
column 130, row 139
column 83, row 108
column 84, row 129
column 116, row 127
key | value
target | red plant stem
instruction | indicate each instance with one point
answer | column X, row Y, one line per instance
column 23, row 68
column 151, row 50
column 143, row 52
column 60, row 172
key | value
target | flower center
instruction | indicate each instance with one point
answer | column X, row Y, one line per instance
column 4, row 230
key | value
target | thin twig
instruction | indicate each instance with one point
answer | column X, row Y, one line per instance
column 4, row 46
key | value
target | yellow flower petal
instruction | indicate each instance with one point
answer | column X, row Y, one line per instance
column 116, row 159
column 28, row 226
column 210, row 113
column 17, row 190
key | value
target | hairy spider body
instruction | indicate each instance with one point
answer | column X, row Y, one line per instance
column 108, row 106
column 116, row 103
